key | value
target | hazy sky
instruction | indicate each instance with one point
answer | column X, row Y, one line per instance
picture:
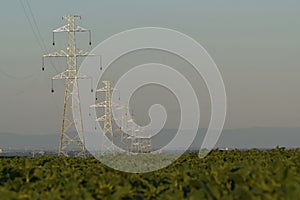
column 256, row 45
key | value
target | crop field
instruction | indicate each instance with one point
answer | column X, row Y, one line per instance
column 251, row 174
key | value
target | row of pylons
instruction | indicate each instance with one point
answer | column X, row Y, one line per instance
column 70, row 142
column 121, row 130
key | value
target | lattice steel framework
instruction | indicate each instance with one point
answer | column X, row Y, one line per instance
column 70, row 141
column 122, row 118
column 138, row 143
column 106, row 118
column 130, row 138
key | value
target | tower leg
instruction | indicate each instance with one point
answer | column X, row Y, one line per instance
column 70, row 140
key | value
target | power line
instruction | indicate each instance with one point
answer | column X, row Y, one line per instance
column 20, row 90
column 38, row 36
column 31, row 26
column 34, row 27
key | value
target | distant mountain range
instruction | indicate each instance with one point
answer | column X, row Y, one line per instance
column 260, row 138
column 17, row 141
column 236, row 138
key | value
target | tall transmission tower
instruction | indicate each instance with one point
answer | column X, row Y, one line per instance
column 134, row 138
column 106, row 118
column 70, row 140
column 122, row 118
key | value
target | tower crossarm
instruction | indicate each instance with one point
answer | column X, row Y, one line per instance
column 104, row 89
column 63, row 53
column 82, row 53
column 65, row 28
column 101, row 119
column 68, row 75
column 60, row 53
column 99, row 105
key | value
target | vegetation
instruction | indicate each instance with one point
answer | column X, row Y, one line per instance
column 252, row 174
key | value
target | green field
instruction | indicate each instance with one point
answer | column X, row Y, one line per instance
column 252, row 174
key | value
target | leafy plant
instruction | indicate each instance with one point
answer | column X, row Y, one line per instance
column 252, row 174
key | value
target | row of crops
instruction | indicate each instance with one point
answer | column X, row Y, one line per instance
column 252, row 174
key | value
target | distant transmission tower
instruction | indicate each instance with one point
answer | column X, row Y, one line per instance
column 129, row 134
column 70, row 140
column 122, row 119
column 108, row 134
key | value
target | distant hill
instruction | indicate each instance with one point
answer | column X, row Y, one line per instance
column 260, row 138
column 236, row 138
column 16, row 141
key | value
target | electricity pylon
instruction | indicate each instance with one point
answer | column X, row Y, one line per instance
column 122, row 118
column 131, row 139
column 69, row 140
column 146, row 145
column 108, row 134
column 138, row 142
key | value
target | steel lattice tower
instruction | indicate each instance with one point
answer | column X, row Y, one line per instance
column 70, row 140
column 138, row 143
column 122, row 118
column 133, row 138
column 106, row 118
column 132, row 142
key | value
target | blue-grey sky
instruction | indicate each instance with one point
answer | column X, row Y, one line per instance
column 256, row 45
